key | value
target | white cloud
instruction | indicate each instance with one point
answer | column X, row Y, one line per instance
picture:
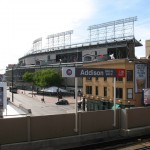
column 52, row 14
column 26, row 20
column 23, row 21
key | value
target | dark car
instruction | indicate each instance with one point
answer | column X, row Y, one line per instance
column 62, row 102
column 13, row 90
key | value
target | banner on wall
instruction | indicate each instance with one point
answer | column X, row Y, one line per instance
column 92, row 72
column 140, row 77
column 3, row 95
column 1, row 98
column 146, row 96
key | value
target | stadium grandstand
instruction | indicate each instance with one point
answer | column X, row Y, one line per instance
column 110, row 40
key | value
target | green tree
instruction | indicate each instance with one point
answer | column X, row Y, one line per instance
column 28, row 76
column 47, row 77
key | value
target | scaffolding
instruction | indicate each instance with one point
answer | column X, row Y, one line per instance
column 61, row 39
column 37, row 44
column 122, row 29
column 110, row 33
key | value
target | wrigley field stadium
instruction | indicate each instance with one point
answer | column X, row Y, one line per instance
column 114, row 39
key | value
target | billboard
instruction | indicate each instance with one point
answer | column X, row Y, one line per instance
column 146, row 93
column 3, row 97
column 140, row 77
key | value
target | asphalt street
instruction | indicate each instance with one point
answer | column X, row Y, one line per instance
column 38, row 108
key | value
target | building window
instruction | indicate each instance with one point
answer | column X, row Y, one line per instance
column 119, row 79
column 48, row 57
column 88, row 78
column 129, row 93
column 119, row 93
column 129, row 75
column 105, row 91
column 95, row 54
column 96, row 90
column 105, row 78
column 88, row 89
column 38, row 62
column 87, row 58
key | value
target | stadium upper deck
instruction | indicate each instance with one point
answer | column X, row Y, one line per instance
column 115, row 37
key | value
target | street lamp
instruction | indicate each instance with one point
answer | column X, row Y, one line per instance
column 59, row 95
column 12, row 81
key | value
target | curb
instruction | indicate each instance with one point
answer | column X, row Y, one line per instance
column 20, row 106
column 28, row 111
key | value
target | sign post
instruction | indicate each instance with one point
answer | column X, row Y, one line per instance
column 76, row 105
column 70, row 72
column 114, row 101
column 92, row 72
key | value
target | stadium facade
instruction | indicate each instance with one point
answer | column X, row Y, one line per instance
column 115, row 38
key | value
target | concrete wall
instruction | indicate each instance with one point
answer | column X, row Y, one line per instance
column 13, row 130
column 97, row 121
column 46, row 127
column 138, row 117
column 32, row 128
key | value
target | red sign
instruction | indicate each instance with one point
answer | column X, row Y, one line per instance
column 120, row 73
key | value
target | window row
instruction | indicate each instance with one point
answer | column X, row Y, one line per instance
column 119, row 92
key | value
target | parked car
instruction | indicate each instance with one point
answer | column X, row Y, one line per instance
column 62, row 102
column 13, row 90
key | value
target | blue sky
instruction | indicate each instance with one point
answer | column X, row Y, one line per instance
column 23, row 21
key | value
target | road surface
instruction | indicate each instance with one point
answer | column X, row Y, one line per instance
column 38, row 107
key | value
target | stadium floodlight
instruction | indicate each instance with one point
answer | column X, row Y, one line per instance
column 69, row 32
column 119, row 29
column 37, row 40
column 59, row 39
column 120, row 21
column 60, row 34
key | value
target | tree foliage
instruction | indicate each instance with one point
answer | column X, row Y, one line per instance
column 43, row 78
column 47, row 77
column 28, row 77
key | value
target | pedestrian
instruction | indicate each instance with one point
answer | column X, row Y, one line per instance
column 60, row 95
column 43, row 101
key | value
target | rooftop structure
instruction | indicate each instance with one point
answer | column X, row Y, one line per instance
column 147, row 48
